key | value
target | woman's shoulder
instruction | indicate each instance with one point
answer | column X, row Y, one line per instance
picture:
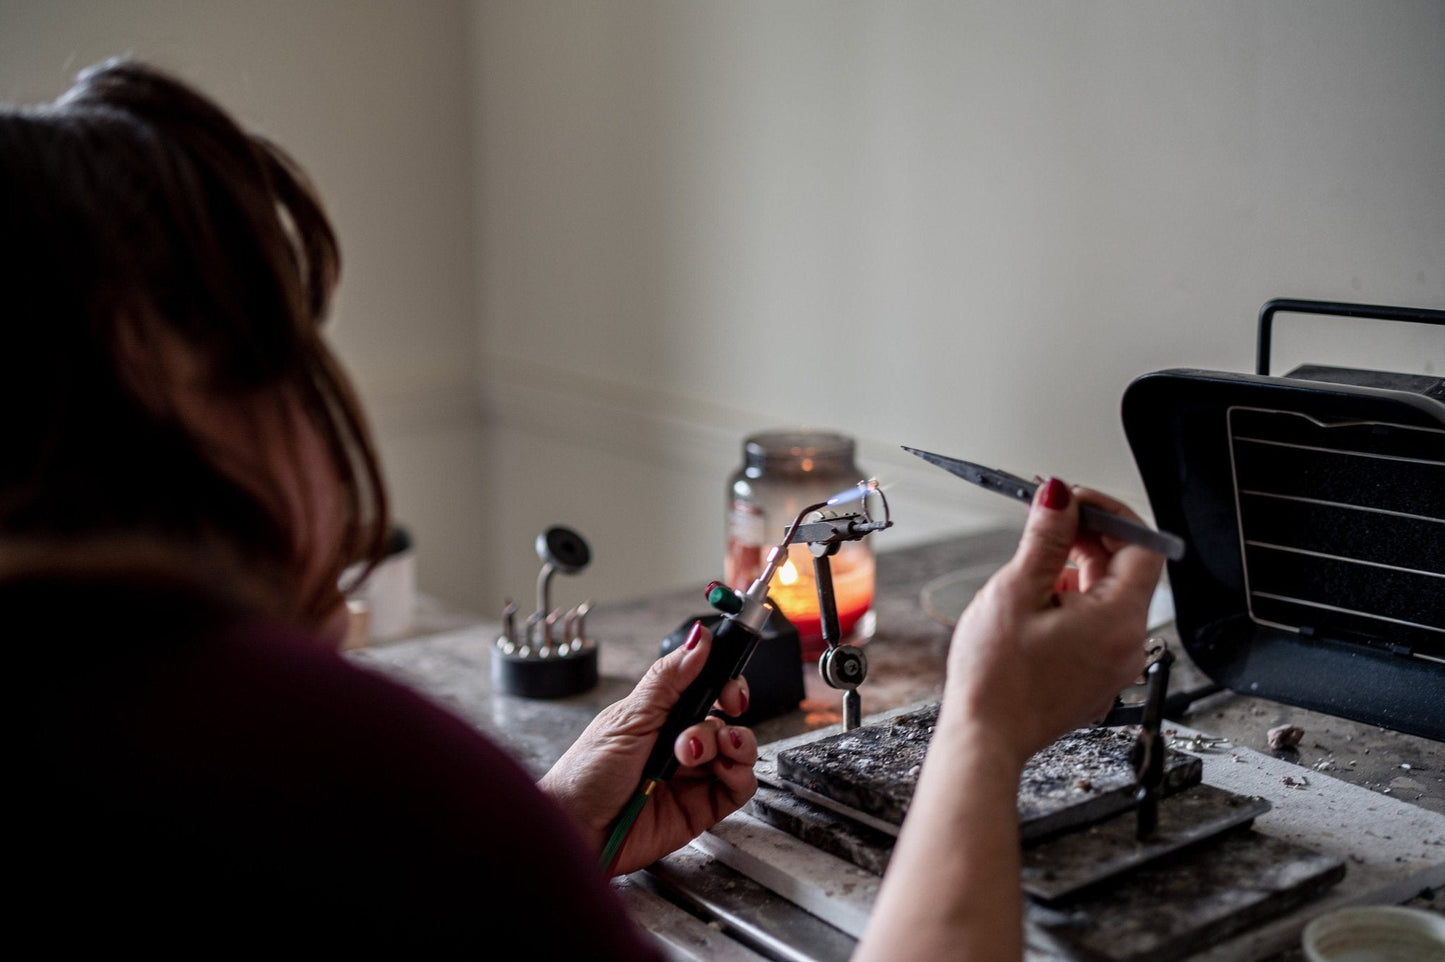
column 262, row 776
column 177, row 674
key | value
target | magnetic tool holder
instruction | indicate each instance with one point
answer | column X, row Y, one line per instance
column 551, row 655
column 842, row 666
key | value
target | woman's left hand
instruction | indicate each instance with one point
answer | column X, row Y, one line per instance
column 600, row 773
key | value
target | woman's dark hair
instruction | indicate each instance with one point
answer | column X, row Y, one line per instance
column 150, row 245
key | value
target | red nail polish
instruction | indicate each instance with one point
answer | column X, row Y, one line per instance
column 694, row 636
column 694, row 745
column 1056, row 495
column 735, row 738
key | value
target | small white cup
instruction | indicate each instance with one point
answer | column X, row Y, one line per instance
column 383, row 608
column 390, row 593
column 1376, row 933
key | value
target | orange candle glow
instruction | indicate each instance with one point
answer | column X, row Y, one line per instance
column 794, row 590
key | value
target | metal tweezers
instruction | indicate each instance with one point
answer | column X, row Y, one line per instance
column 1090, row 516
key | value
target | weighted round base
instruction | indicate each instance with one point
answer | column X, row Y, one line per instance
column 537, row 677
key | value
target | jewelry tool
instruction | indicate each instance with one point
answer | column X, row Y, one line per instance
column 1090, row 516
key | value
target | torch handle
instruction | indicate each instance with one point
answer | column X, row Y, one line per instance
column 732, row 646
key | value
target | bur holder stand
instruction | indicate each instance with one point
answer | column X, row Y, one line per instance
column 550, row 656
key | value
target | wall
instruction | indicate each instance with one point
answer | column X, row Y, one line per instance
column 959, row 226
column 593, row 245
column 372, row 97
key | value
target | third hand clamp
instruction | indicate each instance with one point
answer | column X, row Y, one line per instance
column 1151, row 745
column 841, row 666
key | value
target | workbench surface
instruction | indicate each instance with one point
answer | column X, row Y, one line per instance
column 906, row 656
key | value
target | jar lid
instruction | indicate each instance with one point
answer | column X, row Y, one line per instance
column 798, row 446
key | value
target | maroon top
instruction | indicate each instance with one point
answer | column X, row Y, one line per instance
column 190, row 780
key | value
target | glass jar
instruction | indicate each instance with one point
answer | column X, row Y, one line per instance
column 782, row 473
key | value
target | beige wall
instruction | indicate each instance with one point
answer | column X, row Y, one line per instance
column 591, row 245
column 373, row 98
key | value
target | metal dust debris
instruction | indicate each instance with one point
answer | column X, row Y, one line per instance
column 1203, row 743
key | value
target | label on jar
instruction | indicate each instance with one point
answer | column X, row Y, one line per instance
column 747, row 536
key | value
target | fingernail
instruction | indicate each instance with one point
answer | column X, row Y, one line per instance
column 743, row 696
column 735, row 738
column 1056, row 495
column 694, row 636
column 694, row 745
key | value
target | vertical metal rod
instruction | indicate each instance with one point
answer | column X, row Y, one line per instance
column 544, row 602
column 1151, row 746
column 827, row 603
column 828, row 618
column 509, row 621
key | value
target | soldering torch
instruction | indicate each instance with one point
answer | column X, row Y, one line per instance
column 745, row 615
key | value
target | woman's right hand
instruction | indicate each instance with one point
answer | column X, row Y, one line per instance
column 1058, row 631
column 1043, row 648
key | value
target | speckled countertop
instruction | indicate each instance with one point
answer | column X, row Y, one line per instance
column 905, row 656
column 905, row 663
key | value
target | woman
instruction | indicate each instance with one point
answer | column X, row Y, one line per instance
column 186, row 479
